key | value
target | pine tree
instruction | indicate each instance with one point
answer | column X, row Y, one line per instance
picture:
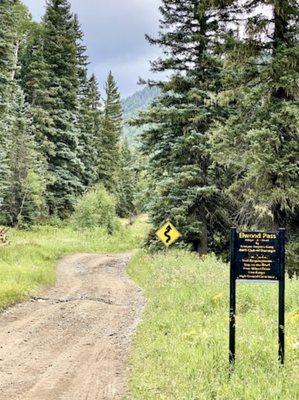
column 60, row 54
column 108, row 144
column 7, row 40
column 126, row 183
column 21, row 181
column 81, row 49
column 186, row 183
column 89, row 114
column 23, row 197
column 260, row 139
column 35, row 82
column 90, row 123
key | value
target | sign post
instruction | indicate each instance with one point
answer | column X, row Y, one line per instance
column 257, row 256
column 232, row 301
column 281, row 301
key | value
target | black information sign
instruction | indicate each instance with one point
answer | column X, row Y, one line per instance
column 257, row 256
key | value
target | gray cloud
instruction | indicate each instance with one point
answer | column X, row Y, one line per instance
column 114, row 33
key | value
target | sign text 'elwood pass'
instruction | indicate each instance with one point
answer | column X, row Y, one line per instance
column 257, row 256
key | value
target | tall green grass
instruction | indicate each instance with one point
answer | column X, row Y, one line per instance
column 28, row 264
column 180, row 351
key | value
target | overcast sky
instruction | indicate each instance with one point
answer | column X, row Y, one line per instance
column 114, row 33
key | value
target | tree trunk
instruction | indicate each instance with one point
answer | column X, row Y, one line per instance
column 203, row 242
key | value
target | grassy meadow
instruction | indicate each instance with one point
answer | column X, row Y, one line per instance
column 180, row 351
column 28, row 263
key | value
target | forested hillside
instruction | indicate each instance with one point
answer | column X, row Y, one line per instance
column 131, row 106
column 139, row 101
column 58, row 136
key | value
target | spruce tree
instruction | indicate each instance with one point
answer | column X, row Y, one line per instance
column 186, row 184
column 90, row 123
column 21, row 178
column 108, row 144
column 81, row 49
column 23, row 197
column 60, row 54
column 35, row 83
column 260, row 139
column 126, row 182
column 89, row 114
column 7, row 40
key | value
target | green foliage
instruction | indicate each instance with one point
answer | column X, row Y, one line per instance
column 220, row 136
column 90, row 123
column 126, row 185
column 22, row 201
column 292, row 257
column 181, row 347
column 260, row 138
column 187, row 186
column 60, row 54
column 58, row 136
column 96, row 209
column 35, row 81
column 108, row 163
column 22, row 183
column 7, row 39
column 89, row 115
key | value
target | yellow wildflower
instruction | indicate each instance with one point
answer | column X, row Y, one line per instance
column 294, row 316
column 217, row 296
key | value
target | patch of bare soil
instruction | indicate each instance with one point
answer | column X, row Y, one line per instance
column 72, row 342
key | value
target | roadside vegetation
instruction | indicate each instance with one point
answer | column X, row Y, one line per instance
column 28, row 264
column 218, row 147
column 181, row 347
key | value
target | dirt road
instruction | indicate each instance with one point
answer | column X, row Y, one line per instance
column 72, row 342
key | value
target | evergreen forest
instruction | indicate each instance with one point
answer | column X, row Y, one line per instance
column 59, row 136
column 217, row 145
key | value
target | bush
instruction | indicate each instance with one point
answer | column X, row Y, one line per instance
column 96, row 209
column 292, row 264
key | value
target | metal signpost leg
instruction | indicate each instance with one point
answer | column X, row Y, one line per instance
column 281, row 318
column 232, row 308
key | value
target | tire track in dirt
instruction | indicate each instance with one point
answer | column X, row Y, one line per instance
column 72, row 342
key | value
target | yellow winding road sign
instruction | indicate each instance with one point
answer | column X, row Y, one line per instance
column 168, row 234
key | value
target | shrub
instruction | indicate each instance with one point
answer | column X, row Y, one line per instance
column 292, row 264
column 96, row 208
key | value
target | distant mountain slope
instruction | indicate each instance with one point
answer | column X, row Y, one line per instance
column 132, row 105
column 139, row 100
